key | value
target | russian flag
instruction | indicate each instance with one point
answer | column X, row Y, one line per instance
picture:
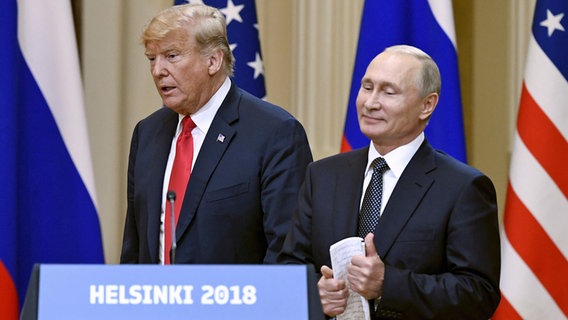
column 47, row 196
column 428, row 25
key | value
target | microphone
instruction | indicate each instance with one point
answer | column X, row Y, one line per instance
column 171, row 195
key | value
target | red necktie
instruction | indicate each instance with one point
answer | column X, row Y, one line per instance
column 181, row 170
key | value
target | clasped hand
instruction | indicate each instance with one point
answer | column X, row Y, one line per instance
column 365, row 276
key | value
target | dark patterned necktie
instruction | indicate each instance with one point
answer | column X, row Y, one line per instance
column 371, row 207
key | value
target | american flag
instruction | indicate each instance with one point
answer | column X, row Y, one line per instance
column 242, row 31
column 534, row 274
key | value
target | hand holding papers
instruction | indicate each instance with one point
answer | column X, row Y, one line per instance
column 341, row 253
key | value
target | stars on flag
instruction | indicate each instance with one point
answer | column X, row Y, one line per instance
column 541, row 109
column 552, row 22
column 232, row 12
column 243, row 34
column 257, row 66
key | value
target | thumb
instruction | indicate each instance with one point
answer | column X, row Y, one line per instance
column 370, row 249
column 326, row 272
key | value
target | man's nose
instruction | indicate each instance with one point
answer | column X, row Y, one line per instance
column 372, row 101
column 159, row 68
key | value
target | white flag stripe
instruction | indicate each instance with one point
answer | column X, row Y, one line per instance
column 47, row 40
column 536, row 188
column 529, row 298
column 547, row 86
column 539, row 194
column 444, row 14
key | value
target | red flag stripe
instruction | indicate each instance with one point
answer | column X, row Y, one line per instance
column 535, row 234
column 506, row 311
column 530, row 241
column 547, row 85
column 345, row 145
column 8, row 295
column 539, row 194
column 539, row 134
column 523, row 289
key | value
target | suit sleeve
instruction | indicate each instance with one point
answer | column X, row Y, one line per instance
column 130, row 240
column 284, row 166
column 297, row 246
column 468, row 288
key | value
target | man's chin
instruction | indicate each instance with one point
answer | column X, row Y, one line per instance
column 174, row 108
column 370, row 130
column 173, row 105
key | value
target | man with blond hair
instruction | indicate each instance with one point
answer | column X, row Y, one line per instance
column 241, row 169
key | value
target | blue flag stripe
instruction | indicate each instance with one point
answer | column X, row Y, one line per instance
column 386, row 23
column 47, row 214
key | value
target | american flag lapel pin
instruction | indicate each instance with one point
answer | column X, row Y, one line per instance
column 221, row 138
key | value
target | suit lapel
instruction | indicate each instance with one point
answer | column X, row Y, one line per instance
column 217, row 140
column 409, row 190
column 348, row 187
column 159, row 151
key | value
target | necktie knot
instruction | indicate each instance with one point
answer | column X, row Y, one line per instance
column 187, row 125
column 379, row 165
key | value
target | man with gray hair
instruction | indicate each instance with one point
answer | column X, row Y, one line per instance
column 229, row 164
column 428, row 221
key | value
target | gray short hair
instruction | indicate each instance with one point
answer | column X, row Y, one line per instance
column 429, row 79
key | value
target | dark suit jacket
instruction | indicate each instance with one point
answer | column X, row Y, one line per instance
column 438, row 235
column 242, row 191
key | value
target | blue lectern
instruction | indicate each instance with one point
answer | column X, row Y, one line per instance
column 108, row 292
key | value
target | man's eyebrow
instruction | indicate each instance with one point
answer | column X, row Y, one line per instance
column 379, row 83
column 166, row 49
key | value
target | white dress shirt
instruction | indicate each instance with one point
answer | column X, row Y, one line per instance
column 202, row 119
column 397, row 161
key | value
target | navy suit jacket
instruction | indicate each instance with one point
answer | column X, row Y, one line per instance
column 242, row 191
column 438, row 235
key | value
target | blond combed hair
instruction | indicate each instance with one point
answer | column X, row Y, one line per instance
column 205, row 23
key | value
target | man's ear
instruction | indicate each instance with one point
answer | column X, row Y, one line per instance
column 428, row 105
column 215, row 62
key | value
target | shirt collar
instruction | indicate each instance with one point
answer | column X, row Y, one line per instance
column 204, row 116
column 398, row 158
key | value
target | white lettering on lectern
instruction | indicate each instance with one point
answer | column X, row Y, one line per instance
column 112, row 294
column 140, row 294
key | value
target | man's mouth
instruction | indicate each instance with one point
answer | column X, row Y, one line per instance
column 167, row 89
column 370, row 118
